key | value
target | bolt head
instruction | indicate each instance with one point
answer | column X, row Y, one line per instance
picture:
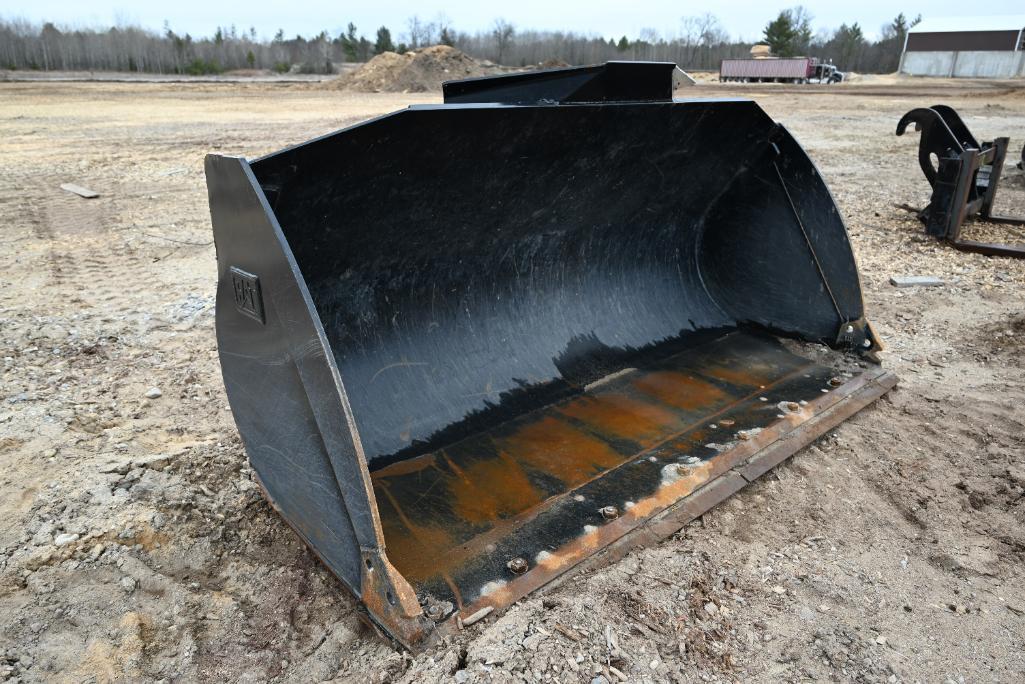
column 610, row 512
column 517, row 566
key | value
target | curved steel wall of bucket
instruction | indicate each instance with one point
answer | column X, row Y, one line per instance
column 469, row 262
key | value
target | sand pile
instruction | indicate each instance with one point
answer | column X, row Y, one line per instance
column 413, row 72
column 554, row 63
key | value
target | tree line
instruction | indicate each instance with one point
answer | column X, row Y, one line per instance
column 699, row 42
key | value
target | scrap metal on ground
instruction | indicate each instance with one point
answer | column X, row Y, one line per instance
column 964, row 176
column 473, row 346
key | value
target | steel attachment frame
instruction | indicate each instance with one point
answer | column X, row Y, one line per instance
column 964, row 178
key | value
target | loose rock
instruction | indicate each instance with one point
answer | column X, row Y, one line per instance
column 65, row 539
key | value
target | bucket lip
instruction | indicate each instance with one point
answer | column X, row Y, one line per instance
column 430, row 107
column 735, row 468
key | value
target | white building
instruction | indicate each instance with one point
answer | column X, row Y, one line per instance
column 966, row 47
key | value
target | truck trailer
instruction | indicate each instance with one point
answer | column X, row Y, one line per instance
column 778, row 70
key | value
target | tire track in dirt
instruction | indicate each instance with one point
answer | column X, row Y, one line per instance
column 91, row 263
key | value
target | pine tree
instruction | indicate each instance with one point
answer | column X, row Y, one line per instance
column 781, row 35
column 850, row 42
column 383, row 43
column 350, row 43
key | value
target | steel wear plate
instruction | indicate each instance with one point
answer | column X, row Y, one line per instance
column 453, row 519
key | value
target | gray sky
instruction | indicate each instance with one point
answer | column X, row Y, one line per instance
column 741, row 18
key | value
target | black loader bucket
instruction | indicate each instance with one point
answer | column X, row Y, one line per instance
column 472, row 346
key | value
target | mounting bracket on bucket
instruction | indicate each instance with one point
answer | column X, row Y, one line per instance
column 859, row 335
column 964, row 176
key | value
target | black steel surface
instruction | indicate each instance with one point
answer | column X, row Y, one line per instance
column 609, row 82
column 471, row 262
column 431, row 277
column 280, row 384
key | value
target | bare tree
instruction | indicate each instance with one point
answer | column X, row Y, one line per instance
column 503, row 33
column 700, row 35
column 420, row 33
column 801, row 18
column 701, row 43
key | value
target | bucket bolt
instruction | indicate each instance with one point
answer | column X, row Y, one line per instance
column 609, row 512
column 835, row 382
column 434, row 609
column 688, row 463
column 517, row 566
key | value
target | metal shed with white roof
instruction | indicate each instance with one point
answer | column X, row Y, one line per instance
column 966, row 47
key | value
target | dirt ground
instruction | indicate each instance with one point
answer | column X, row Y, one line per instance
column 134, row 545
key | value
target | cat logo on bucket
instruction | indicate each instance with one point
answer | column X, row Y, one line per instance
column 246, row 287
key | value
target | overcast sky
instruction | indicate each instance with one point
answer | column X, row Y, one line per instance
column 741, row 18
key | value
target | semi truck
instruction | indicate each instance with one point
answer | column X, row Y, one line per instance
column 778, row 70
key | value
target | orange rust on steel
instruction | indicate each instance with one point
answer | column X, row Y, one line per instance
column 392, row 602
column 745, row 375
column 680, row 390
column 666, row 514
column 620, row 416
column 442, row 564
column 478, row 506
column 420, row 543
column 412, row 465
column 551, row 445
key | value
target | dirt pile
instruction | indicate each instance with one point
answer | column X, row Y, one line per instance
column 554, row 63
column 412, row 72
